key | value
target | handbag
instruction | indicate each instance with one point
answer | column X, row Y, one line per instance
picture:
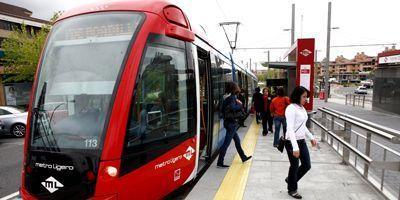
column 282, row 140
column 232, row 114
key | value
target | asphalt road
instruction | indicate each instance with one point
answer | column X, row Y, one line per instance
column 11, row 154
column 340, row 92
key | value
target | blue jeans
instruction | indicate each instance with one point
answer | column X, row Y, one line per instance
column 230, row 134
column 296, row 172
column 278, row 120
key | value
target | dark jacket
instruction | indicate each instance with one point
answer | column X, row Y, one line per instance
column 231, row 100
column 258, row 102
column 242, row 99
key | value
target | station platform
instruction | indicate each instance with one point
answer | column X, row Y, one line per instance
column 263, row 176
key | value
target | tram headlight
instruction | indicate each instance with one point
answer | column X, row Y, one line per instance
column 112, row 171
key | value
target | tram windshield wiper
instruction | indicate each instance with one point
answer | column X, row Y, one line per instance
column 42, row 119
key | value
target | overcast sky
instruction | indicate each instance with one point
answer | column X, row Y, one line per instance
column 360, row 22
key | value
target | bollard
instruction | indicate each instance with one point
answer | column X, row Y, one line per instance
column 363, row 102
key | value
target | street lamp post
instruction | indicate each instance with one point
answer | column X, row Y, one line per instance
column 293, row 21
column 232, row 43
column 328, row 43
column 292, row 29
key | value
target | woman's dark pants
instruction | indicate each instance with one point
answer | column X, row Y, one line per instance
column 231, row 133
column 296, row 172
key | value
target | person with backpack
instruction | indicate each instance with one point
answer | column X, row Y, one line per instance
column 278, row 107
column 230, row 108
column 295, row 143
column 258, row 103
column 241, row 97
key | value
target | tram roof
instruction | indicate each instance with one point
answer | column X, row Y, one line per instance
column 153, row 6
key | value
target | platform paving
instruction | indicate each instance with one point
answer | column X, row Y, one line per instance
column 328, row 178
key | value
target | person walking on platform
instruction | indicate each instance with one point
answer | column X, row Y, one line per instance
column 295, row 144
column 231, row 104
column 258, row 103
column 266, row 114
column 242, row 99
column 278, row 107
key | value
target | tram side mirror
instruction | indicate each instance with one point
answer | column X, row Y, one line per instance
column 179, row 26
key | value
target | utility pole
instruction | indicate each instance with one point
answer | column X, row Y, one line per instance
column 328, row 43
column 301, row 27
column 293, row 24
column 292, row 29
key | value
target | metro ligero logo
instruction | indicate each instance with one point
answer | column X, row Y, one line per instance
column 51, row 184
column 189, row 153
column 305, row 52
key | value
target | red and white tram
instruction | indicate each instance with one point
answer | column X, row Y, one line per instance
column 125, row 104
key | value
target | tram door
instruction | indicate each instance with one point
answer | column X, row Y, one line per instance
column 205, row 109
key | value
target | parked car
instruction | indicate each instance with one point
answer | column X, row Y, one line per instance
column 367, row 84
column 13, row 121
column 361, row 90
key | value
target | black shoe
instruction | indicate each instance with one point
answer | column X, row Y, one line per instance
column 295, row 195
column 286, row 180
column 222, row 166
column 275, row 145
column 247, row 158
column 264, row 133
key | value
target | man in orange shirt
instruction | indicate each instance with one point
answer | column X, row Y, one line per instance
column 278, row 107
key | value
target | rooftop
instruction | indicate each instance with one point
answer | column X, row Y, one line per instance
column 18, row 12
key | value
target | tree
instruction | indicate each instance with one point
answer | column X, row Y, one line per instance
column 262, row 77
column 22, row 51
column 271, row 73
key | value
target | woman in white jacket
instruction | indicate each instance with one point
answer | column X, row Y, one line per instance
column 296, row 146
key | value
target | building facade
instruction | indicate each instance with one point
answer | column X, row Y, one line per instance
column 345, row 70
column 12, row 18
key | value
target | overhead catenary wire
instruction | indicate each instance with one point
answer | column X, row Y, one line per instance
column 333, row 46
column 220, row 8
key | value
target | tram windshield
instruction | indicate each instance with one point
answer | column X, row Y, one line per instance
column 77, row 79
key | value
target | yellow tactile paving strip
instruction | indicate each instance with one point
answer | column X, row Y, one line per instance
column 234, row 183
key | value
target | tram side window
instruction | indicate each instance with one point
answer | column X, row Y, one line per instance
column 163, row 105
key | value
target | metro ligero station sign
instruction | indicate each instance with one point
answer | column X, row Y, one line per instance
column 389, row 57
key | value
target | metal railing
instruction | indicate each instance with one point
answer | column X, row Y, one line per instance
column 378, row 155
column 355, row 100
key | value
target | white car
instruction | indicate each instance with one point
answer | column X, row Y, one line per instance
column 13, row 121
column 361, row 90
